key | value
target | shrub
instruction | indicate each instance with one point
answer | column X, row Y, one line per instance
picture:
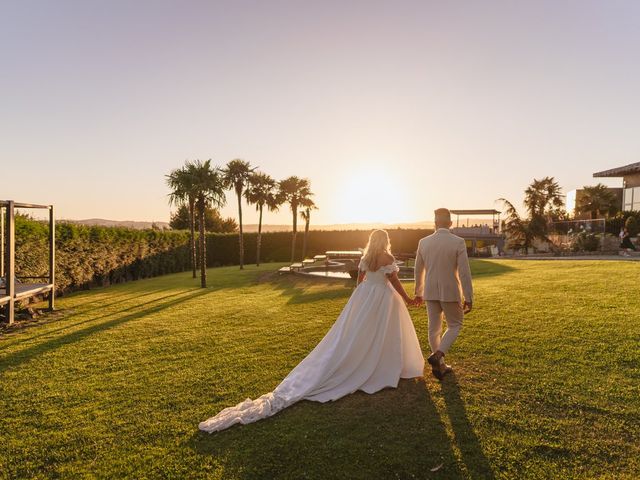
column 632, row 225
column 615, row 224
column 585, row 242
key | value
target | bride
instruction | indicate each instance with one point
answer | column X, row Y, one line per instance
column 371, row 346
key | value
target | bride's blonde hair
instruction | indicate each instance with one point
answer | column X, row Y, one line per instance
column 378, row 244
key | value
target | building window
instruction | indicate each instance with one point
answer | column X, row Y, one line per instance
column 636, row 199
column 627, row 202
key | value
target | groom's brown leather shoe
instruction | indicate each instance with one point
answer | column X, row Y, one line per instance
column 435, row 361
column 438, row 368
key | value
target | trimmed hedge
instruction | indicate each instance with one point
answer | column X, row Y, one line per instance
column 98, row 256
column 222, row 248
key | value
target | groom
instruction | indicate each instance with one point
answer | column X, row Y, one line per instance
column 442, row 259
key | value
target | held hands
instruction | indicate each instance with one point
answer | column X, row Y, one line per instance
column 417, row 301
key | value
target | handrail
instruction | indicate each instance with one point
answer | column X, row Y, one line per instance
column 5, row 203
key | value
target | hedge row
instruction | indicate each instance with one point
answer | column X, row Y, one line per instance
column 97, row 256
column 222, row 248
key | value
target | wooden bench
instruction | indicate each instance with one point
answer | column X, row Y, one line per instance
column 296, row 266
column 320, row 257
column 26, row 290
column 308, row 261
column 283, row 270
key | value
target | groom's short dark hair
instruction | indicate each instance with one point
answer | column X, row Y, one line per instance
column 442, row 215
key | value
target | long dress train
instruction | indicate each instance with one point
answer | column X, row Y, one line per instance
column 371, row 346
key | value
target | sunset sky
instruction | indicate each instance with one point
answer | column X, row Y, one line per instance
column 391, row 109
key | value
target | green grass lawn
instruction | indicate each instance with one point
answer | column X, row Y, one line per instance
column 546, row 384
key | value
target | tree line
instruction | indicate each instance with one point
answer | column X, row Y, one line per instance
column 198, row 186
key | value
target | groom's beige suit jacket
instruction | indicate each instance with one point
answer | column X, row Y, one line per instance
column 442, row 270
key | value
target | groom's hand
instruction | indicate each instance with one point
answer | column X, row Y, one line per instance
column 466, row 308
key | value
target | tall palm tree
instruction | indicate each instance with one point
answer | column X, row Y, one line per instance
column 292, row 190
column 209, row 187
column 307, row 205
column 543, row 202
column 542, row 197
column 262, row 192
column 597, row 200
column 180, row 181
column 519, row 230
column 236, row 176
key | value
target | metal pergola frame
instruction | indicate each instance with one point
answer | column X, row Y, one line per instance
column 475, row 237
column 470, row 213
column 11, row 293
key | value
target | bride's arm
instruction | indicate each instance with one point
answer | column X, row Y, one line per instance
column 397, row 285
column 361, row 274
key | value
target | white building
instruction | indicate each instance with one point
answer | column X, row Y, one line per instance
column 630, row 175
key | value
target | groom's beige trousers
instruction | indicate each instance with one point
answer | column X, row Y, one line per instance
column 453, row 313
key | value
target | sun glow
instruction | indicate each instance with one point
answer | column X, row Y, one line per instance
column 372, row 195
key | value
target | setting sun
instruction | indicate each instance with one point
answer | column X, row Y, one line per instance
column 373, row 194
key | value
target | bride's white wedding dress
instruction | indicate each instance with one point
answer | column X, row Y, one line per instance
column 371, row 346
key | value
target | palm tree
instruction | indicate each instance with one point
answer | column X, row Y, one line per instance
column 180, row 181
column 236, row 176
column 292, row 190
column 209, row 187
column 543, row 202
column 597, row 201
column 262, row 191
column 307, row 204
column 543, row 197
column 519, row 230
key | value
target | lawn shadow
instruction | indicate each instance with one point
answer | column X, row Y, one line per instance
column 465, row 438
column 304, row 290
column 17, row 358
column 489, row 268
column 87, row 306
column 60, row 314
column 395, row 433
